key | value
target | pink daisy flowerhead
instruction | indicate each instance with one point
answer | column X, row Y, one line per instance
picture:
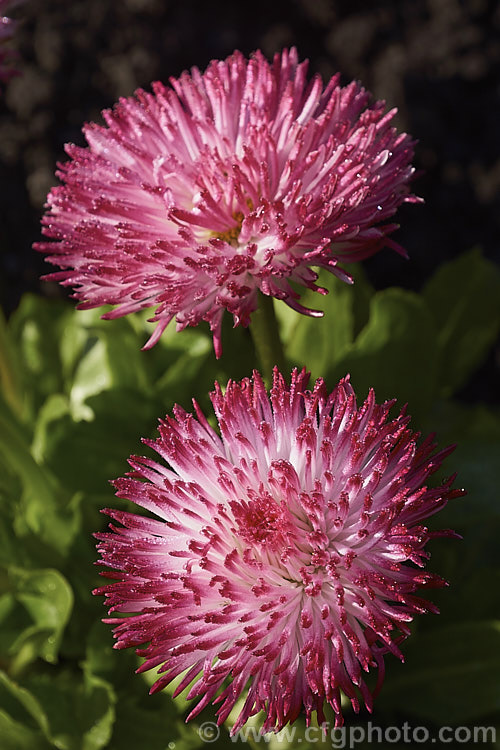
column 7, row 29
column 193, row 198
column 283, row 553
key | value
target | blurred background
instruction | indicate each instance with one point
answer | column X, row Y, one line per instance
column 79, row 393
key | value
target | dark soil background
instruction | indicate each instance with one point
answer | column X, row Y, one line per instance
column 438, row 61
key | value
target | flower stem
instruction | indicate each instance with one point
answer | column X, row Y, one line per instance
column 266, row 338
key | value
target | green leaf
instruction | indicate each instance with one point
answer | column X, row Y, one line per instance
column 142, row 720
column 80, row 714
column 121, row 340
column 85, row 455
column 463, row 299
column 92, row 376
column 43, row 509
column 16, row 735
column 450, row 674
column 63, row 350
column 476, row 432
column 36, row 327
column 71, row 713
column 317, row 343
column 50, row 415
column 395, row 353
column 21, row 718
column 187, row 368
column 102, row 660
column 97, row 713
column 188, row 364
column 14, row 444
column 111, row 359
column 40, row 606
column 126, row 361
column 56, row 523
column 154, row 724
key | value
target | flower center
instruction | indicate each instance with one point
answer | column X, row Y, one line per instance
column 260, row 520
column 232, row 234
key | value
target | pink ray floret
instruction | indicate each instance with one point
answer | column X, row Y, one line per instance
column 193, row 198
column 282, row 553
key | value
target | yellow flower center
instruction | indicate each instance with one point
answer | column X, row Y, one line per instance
column 232, row 234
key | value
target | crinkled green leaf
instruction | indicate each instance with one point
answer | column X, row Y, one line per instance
column 56, row 524
column 22, row 720
column 153, row 725
column 80, row 714
column 125, row 359
column 102, row 660
column 463, row 297
column 16, row 451
column 188, row 364
column 73, row 341
column 142, row 720
column 386, row 341
column 450, row 674
column 73, row 352
column 112, row 359
column 476, row 432
column 92, row 376
column 85, row 439
column 122, row 340
column 85, row 455
column 43, row 507
column 36, row 327
column 38, row 607
column 50, row 416
column 16, row 735
column 71, row 713
column 317, row 343
column 395, row 353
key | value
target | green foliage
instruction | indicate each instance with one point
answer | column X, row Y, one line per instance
column 36, row 605
column 77, row 394
column 395, row 353
column 66, row 711
column 463, row 297
column 416, row 348
column 318, row 344
column 457, row 682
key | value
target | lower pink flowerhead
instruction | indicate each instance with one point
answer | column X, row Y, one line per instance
column 281, row 554
column 241, row 179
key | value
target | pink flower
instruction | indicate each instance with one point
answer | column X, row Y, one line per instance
column 240, row 179
column 284, row 552
column 7, row 29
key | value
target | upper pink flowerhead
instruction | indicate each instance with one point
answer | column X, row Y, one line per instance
column 7, row 29
column 284, row 552
column 193, row 198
